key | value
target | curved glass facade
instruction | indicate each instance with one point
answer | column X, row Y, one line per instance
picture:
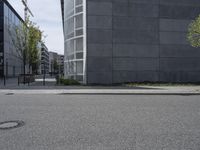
column 75, row 39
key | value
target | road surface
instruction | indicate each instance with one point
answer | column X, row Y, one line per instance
column 100, row 122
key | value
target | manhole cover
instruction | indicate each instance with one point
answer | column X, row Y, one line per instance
column 10, row 125
column 9, row 93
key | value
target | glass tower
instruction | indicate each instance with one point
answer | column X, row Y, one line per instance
column 75, row 39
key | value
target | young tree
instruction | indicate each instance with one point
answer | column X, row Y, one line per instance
column 25, row 38
column 194, row 32
column 19, row 38
column 55, row 66
column 34, row 37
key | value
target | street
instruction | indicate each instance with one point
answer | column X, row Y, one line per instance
column 99, row 122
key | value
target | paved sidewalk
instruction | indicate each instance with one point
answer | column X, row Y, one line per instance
column 12, row 83
column 140, row 90
column 51, row 88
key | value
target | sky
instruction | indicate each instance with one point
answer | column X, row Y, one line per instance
column 47, row 15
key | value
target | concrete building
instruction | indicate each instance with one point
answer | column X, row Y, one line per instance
column 56, row 63
column 10, row 63
column 116, row 41
column 44, row 59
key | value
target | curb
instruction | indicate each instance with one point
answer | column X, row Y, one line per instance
column 167, row 94
column 101, row 92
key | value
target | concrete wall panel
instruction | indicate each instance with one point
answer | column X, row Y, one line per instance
column 173, row 38
column 141, row 40
column 179, row 51
column 174, row 25
column 99, row 36
column 180, row 76
column 124, row 76
column 179, row 12
column 99, row 77
column 133, row 50
column 100, row 22
column 99, row 50
column 99, row 64
column 99, row 8
column 134, row 36
column 180, row 64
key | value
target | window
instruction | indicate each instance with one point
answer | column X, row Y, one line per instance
column 79, row 44
column 79, row 55
column 79, row 32
column 79, row 21
column 79, row 2
column 79, row 9
column 79, row 67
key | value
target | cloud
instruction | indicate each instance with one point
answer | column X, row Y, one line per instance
column 47, row 15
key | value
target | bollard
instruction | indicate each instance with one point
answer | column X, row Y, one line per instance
column 29, row 80
column 18, row 80
column 44, row 80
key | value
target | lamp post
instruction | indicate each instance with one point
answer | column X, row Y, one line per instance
column 51, row 68
column 6, row 72
column 6, row 67
column 44, row 73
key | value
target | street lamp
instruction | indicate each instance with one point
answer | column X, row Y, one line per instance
column 44, row 72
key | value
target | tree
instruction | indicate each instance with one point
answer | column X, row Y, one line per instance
column 55, row 66
column 19, row 38
column 25, row 38
column 34, row 37
column 194, row 32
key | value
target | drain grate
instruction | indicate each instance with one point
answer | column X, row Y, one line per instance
column 10, row 125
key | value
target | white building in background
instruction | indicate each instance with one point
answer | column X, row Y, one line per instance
column 59, row 60
column 44, row 59
column 53, row 56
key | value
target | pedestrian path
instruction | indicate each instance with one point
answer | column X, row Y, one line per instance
column 12, row 83
column 8, row 83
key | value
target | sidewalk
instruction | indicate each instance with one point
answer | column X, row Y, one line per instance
column 51, row 88
column 12, row 83
column 9, row 82
column 100, row 90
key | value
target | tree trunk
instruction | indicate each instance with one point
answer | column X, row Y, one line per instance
column 24, row 62
column 24, row 71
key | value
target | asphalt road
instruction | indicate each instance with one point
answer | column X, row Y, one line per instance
column 98, row 122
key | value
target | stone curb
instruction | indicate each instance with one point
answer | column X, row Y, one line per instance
column 101, row 92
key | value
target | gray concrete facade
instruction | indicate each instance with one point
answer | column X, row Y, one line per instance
column 140, row 40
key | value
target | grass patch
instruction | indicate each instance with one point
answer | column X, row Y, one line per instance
column 160, row 84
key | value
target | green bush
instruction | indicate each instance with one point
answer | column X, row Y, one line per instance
column 68, row 81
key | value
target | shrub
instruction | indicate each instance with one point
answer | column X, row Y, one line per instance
column 68, row 81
